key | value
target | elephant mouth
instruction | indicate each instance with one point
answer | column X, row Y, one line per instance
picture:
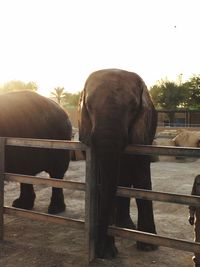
column 110, row 138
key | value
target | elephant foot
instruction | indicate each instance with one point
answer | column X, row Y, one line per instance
column 55, row 208
column 146, row 247
column 57, row 203
column 106, row 249
column 126, row 223
column 22, row 203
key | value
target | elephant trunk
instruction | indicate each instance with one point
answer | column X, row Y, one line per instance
column 109, row 140
column 108, row 149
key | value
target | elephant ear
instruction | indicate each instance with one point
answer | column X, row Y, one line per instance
column 144, row 126
column 84, row 122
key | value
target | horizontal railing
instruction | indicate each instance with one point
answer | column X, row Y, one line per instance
column 90, row 188
column 121, row 191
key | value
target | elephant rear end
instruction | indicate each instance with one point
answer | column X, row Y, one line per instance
column 26, row 114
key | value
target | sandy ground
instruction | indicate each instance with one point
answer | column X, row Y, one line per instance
column 30, row 243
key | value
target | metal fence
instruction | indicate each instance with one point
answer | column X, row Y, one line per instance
column 178, row 125
column 90, row 188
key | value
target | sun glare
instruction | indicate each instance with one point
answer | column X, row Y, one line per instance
column 59, row 43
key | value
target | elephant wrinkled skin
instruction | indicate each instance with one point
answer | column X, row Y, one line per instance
column 115, row 110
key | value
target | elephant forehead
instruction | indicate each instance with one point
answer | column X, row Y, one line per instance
column 115, row 88
column 112, row 92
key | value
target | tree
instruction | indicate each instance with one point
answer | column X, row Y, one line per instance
column 71, row 99
column 171, row 95
column 64, row 98
column 59, row 94
column 31, row 86
column 168, row 95
column 193, row 92
column 17, row 85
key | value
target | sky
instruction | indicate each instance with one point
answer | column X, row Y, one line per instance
column 58, row 43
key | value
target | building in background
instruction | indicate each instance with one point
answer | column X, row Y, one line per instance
column 178, row 118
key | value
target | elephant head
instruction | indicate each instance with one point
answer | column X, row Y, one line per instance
column 115, row 110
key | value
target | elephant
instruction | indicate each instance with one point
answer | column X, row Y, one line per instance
column 115, row 110
column 26, row 114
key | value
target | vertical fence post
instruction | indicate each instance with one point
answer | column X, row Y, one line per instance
column 90, row 204
column 2, row 170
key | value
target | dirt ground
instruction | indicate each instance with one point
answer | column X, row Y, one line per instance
column 30, row 243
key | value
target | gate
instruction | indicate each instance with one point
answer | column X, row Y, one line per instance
column 90, row 188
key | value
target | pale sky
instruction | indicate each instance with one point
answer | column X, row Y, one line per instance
column 60, row 42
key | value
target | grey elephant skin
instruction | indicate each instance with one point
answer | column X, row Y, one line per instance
column 115, row 110
column 27, row 114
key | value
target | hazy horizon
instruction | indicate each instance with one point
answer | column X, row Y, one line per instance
column 58, row 43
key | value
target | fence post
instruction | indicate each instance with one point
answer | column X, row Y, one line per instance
column 90, row 204
column 2, row 170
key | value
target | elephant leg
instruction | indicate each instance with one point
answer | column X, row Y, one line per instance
column 145, row 207
column 26, row 198
column 57, row 203
column 123, row 218
column 145, row 222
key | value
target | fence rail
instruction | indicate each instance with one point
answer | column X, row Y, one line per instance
column 45, row 143
column 28, row 179
column 121, row 191
column 90, row 187
column 33, row 215
column 178, row 125
column 155, row 239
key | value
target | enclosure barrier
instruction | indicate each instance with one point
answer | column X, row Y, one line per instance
column 90, row 188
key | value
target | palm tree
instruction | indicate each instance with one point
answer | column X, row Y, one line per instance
column 58, row 93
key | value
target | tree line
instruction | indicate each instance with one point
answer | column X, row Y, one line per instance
column 65, row 98
column 173, row 95
column 59, row 94
column 17, row 85
column 165, row 94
